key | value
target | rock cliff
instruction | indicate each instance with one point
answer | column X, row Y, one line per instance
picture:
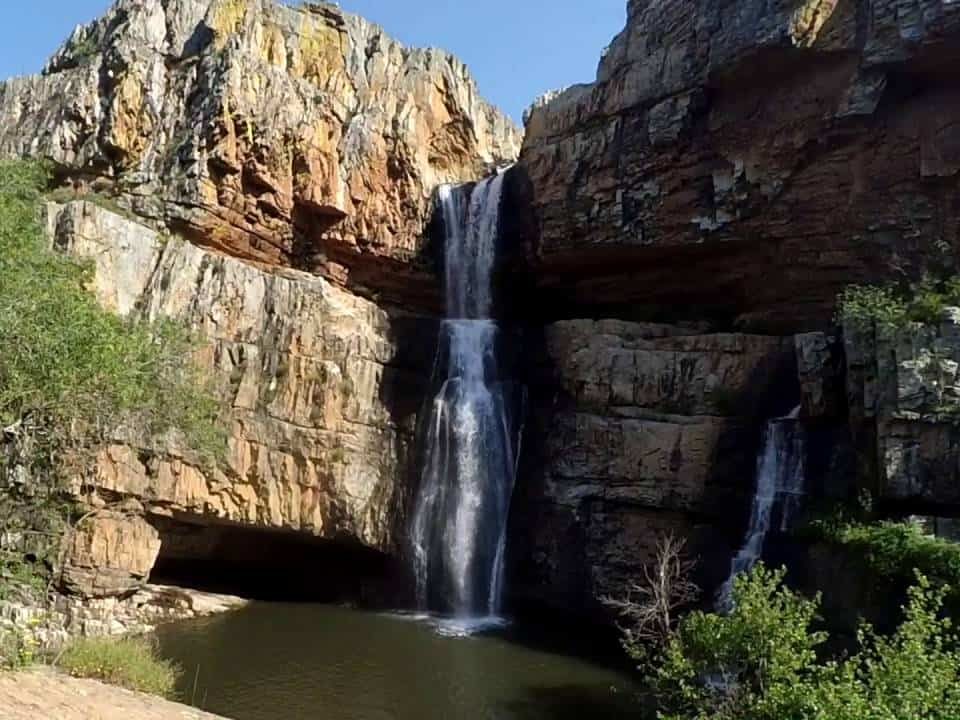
column 744, row 160
column 264, row 174
column 637, row 429
column 734, row 167
column 292, row 137
column 677, row 234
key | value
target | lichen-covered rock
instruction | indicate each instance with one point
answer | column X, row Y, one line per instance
column 636, row 430
column 904, row 394
column 323, row 387
column 296, row 137
column 746, row 160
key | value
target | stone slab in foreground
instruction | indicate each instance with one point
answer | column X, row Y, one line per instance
column 46, row 695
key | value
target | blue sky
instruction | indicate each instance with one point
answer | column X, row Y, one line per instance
column 516, row 49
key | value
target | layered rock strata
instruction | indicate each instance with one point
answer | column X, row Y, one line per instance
column 322, row 397
column 744, row 161
column 637, row 430
column 294, row 137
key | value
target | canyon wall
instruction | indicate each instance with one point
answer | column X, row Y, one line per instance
column 676, row 236
column 735, row 166
column 263, row 174
column 742, row 161
column 292, row 137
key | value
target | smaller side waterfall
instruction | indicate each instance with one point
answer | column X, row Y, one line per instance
column 779, row 493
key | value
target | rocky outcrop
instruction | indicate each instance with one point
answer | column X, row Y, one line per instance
column 294, row 137
column 638, row 430
column 109, row 554
column 45, row 693
column 322, row 386
column 744, row 161
column 904, row 393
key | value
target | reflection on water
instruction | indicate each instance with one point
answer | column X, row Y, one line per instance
column 306, row 662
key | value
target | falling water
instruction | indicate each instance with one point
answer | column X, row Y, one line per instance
column 460, row 518
column 780, row 489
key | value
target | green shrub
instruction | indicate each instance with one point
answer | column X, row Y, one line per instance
column 70, row 365
column 131, row 663
column 760, row 662
column 864, row 306
column 890, row 308
column 18, row 649
column 894, row 550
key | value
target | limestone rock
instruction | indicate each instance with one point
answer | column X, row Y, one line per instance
column 747, row 160
column 323, row 388
column 109, row 554
column 291, row 136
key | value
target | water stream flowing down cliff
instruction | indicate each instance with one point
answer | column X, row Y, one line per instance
column 469, row 457
column 780, row 489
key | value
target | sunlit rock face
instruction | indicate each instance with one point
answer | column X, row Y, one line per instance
column 749, row 159
column 322, row 386
column 294, row 137
column 263, row 173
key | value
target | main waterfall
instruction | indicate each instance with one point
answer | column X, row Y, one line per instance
column 469, row 444
column 780, row 488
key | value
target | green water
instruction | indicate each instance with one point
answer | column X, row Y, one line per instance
column 309, row 662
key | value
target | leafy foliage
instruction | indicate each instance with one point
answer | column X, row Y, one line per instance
column 71, row 365
column 760, row 662
column 130, row 662
column 73, row 375
column 889, row 308
column 894, row 550
column 18, row 647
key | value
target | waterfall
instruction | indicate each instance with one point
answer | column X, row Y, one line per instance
column 458, row 534
column 780, row 489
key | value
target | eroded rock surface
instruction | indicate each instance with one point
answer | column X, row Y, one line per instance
column 904, row 392
column 638, row 430
column 295, row 137
column 323, row 387
column 744, row 161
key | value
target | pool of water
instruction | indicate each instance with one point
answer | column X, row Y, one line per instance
column 311, row 662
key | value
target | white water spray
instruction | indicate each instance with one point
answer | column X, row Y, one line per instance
column 780, row 490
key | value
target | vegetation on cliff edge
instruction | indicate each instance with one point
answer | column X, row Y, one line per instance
column 890, row 307
column 73, row 376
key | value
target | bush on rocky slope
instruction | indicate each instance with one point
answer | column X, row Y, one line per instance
column 73, row 375
column 765, row 661
column 890, row 307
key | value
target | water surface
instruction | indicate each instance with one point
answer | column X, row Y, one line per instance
column 306, row 662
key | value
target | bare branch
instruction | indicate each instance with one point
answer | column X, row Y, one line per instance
column 649, row 610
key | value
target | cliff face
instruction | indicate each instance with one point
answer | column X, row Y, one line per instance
column 291, row 137
column 638, row 429
column 734, row 166
column 749, row 159
column 323, row 388
column 264, row 174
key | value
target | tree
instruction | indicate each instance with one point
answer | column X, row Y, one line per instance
column 650, row 610
column 762, row 662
